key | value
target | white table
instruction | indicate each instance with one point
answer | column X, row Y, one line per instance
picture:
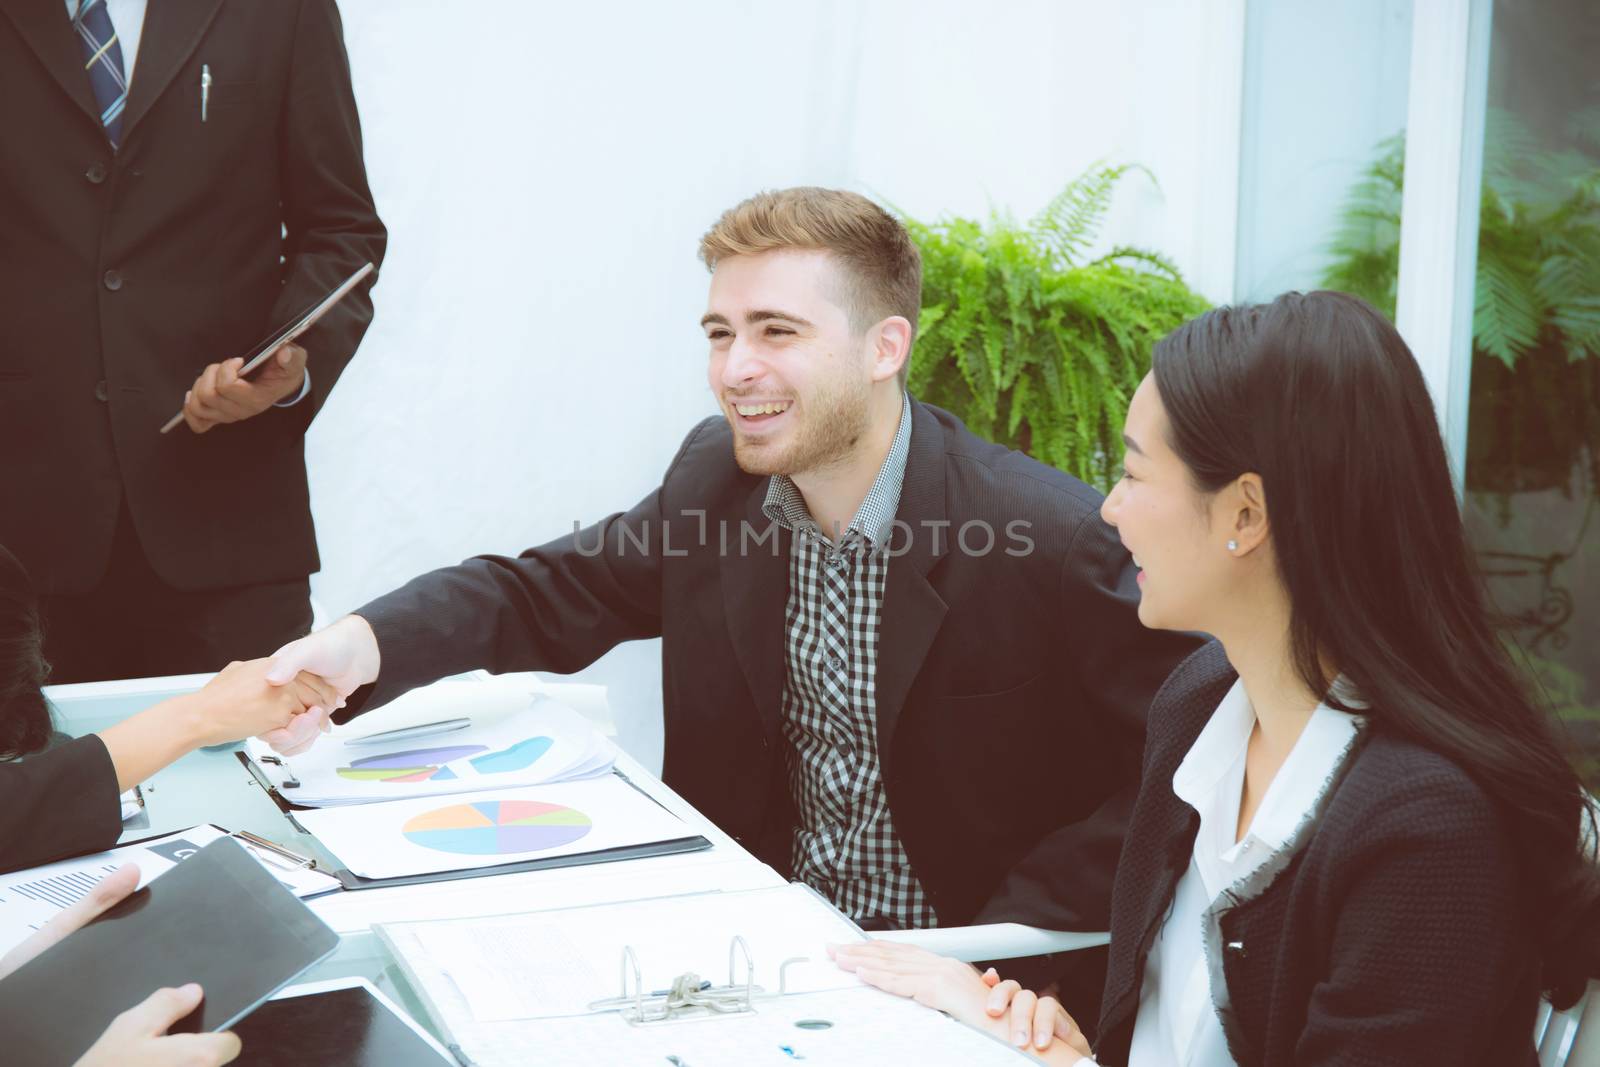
column 213, row 786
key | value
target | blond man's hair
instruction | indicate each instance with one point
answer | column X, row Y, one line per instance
column 881, row 265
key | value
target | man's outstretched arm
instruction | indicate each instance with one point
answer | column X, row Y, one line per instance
column 558, row 607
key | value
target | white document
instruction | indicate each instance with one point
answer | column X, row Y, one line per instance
column 515, row 739
column 29, row 899
column 431, row 835
column 470, row 973
column 559, row 962
column 866, row 1028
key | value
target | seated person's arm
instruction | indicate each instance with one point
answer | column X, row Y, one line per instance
column 236, row 704
column 1424, row 937
column 558, row 607
column 64, row 801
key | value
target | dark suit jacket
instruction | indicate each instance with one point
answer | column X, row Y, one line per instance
column 122, row 275
column 62, row 802
column 1011, row 689
column 1389, row 930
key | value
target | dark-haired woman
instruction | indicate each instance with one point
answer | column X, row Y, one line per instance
column 1356, row 840
column 66, row 800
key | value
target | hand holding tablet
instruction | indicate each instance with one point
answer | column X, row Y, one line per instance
column 278, row 340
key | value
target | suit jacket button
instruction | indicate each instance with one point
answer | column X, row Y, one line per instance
column 101, row 393
column 96, row 173
column 113, row 280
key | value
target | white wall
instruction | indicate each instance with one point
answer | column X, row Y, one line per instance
column 545, row 171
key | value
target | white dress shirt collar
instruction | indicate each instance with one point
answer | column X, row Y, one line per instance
column 1177, row 1022
column 1220, row 749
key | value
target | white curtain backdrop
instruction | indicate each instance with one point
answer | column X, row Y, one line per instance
column 545, row 171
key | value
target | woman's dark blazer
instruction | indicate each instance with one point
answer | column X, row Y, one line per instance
column 60, row 803
column 1388, row 930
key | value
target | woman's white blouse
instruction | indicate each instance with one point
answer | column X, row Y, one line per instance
column 1177, row 1025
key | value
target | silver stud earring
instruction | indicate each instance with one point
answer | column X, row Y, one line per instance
column 1233, row 546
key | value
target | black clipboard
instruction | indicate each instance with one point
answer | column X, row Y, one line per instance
column 218, row 918
column 677, row 845
column 352, row 881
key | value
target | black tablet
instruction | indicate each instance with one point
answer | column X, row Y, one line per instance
column 218, row 918
column 345, row 1027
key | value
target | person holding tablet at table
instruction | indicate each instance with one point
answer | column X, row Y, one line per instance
column 1357, row 840
column 138, row 1037
column 64, row 800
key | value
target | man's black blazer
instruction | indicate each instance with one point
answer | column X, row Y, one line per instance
column 123, row 274
column 1012, row 684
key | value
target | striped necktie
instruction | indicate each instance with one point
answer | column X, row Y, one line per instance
column 103, row 60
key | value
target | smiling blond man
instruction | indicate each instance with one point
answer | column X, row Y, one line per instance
column 871, row 619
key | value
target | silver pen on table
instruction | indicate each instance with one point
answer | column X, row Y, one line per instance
column 406, row 733
column 205, row 89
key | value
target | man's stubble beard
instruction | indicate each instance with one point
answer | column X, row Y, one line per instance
column 836, row 418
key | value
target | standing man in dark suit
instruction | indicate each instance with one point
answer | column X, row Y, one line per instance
column 177, row 182
column 871, row 620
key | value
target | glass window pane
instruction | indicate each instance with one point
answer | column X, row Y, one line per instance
column 1533, row 435
column 1325, row 92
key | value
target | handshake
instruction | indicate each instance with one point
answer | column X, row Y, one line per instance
column 288, row 699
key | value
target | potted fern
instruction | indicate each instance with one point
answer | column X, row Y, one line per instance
column 1535, row 407
column 1032, row 343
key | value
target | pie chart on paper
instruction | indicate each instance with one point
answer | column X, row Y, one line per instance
column 501, row 827
column 427, row 764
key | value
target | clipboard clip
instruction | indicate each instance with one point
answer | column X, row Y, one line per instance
column 290, row 858
column 289, row 780
column 689, row 996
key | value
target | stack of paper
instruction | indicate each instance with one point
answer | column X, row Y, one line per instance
column 31, row 898
column 517, row 740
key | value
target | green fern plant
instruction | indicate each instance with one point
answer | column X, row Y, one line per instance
column 1034, row 345
column 1536, row 307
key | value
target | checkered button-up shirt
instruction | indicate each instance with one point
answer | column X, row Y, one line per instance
column 845, row 844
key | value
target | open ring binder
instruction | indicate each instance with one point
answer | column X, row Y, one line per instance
column 689, row 996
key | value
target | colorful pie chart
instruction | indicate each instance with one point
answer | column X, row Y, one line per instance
column 500, row 827
column 426, row 764
column 414, row 765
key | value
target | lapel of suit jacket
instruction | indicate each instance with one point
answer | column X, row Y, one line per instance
column 912, row 609
column 1142, row 907
column 172, row 31
column 47, row 27
column 755, row 593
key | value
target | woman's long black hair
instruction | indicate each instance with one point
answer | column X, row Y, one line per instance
column 1318, row 395
column 25, row 724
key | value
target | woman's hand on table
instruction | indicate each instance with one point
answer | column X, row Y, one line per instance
column 983, row 1000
